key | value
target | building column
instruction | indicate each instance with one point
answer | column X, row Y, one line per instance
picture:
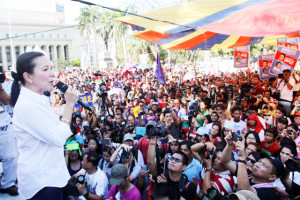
column 21, row 49
column 61, row 52
column 54, row 53
column 47, row 51
column 4, row 58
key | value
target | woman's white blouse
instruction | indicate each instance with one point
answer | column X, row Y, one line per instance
column 40, row 138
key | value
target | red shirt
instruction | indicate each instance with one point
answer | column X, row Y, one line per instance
column 272, row 149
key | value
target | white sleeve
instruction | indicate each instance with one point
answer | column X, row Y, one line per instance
column 102, row 183
column 40, row 124
column 140, row 158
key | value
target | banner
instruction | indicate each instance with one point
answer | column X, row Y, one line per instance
column 292, row 43
column 281, row 42
column 285, row 58
column 159, row 74
column 86, row 98
column 241, row 56
column 265, row 63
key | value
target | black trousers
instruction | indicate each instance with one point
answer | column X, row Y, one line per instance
column 49, row 193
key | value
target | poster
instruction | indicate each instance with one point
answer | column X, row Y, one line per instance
column 265, row 63
column 292, row 43
column 241, row 56
column 281, row 42
column 86, row 98
column 285, row 58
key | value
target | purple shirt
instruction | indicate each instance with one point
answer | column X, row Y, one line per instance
column 133, row 194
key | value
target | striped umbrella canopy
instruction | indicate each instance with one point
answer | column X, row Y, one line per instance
column 218, row 24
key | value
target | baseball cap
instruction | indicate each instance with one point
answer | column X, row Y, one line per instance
column 118, row 172
column 128, row 136
column 244, row 195
column 201, row 131
column 276, row 163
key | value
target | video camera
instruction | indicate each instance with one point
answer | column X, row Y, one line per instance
column 155, row 129
column 214, row 194
column 103, row 94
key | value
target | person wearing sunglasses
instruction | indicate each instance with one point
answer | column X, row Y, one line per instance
column 174, row 175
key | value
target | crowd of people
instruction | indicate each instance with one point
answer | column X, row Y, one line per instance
column 222, row 136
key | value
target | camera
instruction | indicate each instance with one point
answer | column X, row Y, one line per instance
column 229, row 91
column 101, row 119
column 130, row 128
column 155, row 129
column 260, row 96
column 207, row 154
column 80, row 179
column 214, row 194
column 125, row 155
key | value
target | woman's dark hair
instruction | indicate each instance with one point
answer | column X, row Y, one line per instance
column 286, row 142
column 281, row 109
column 256, row 155
column 208, row 118
column 24, row 64
column 294, row 126
column 255, row 135
column 292, row 148
column 283, row 120
column 97, row 143
column 109, row 151
column 220, row 127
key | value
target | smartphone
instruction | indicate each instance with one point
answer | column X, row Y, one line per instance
column 105, row 141
column 85, row 146
column 236, row 137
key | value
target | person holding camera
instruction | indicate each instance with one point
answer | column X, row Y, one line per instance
column 182, row 187
column 8, row 150
column 214, row 174
column 284, row 85
column 91, row 181
column 264, row 172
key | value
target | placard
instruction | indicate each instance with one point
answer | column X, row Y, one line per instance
column 265, row 64
column 241, row 56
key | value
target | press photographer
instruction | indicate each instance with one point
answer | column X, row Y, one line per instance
column 284, row 84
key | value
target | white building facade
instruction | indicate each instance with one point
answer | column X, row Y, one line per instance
column 22, row 31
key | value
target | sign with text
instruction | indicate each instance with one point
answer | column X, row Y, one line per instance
column 285, row 58
column 292, row 43
column 265, row 64
column 241, row 56
column 86, row 98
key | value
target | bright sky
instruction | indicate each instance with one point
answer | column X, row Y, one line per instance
column 72, row 8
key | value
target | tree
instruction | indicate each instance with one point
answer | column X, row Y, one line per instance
column 76, row 62
column 62, row 63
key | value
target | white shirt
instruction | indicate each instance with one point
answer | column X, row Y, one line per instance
column 96, row 183
column 40, row 138
column 285, row 92
column 237, row 126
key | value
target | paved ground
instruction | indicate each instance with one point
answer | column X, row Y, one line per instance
column 7, row 196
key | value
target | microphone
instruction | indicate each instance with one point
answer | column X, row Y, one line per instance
column 63, row 88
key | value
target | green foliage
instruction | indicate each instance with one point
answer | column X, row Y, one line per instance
column 76, row 62
column 62, row 63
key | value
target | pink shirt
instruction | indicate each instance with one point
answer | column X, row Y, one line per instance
column 297, row 141
column 133, row 194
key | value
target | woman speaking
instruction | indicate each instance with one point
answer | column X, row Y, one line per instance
column 40, row 135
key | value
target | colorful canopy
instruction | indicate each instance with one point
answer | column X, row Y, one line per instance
column 218, row 24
